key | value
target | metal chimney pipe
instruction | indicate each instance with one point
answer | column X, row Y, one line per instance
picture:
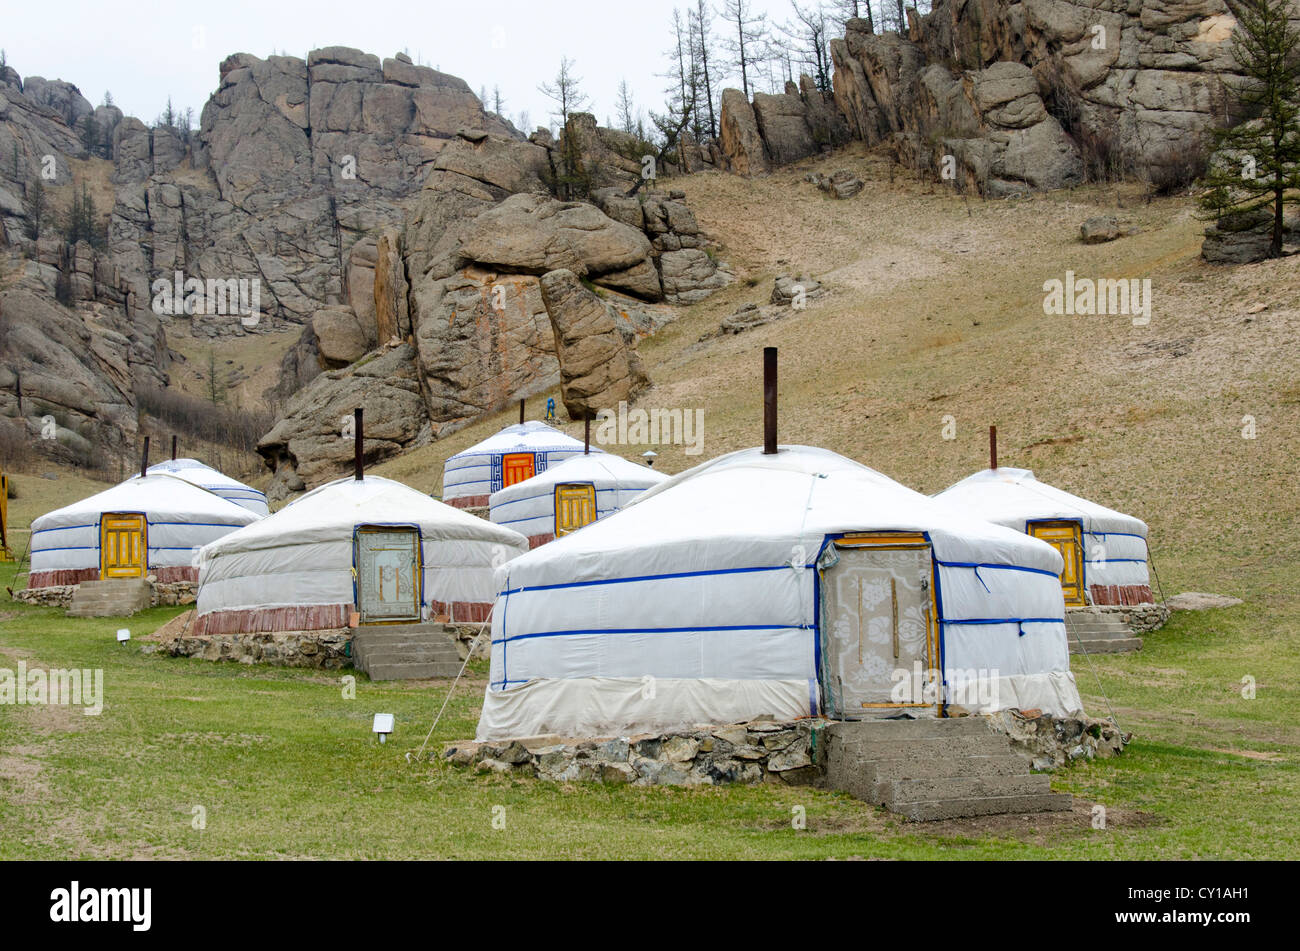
column 521, row 412
column 586, row 435
column 359, row 445
column 144, row 459
column 993, row 447
column 173, row 447
column 769, row 401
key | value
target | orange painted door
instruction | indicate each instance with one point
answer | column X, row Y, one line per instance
column 516, row 467
column 122, row 546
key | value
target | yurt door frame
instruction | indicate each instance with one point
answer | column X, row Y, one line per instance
column 878, row 614
column 575, row 506
column 1066, row 536
column 123, row 545
column 389, row 570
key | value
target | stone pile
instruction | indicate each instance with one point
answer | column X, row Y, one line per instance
column 1050, row 742
column 754, row 752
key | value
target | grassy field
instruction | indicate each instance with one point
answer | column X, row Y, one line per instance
column 284, row 766
column 934, row 312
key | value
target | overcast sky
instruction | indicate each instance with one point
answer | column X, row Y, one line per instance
column 143, row 52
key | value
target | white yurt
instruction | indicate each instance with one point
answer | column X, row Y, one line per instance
column 571, row 494
column 216, row 482
column 1104, row 551
column 793, row 584
column 518, row 452
column 148, row 525
column 371, row 546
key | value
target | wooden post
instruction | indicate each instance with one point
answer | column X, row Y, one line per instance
column 993, row 447
column 769, row 401
column 144, row 459
column 358, row 445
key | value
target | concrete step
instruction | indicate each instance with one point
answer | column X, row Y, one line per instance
column 405, row 651
column 1110, row 645
column 982, row 765
column 925, row 811
column 965, row 787
column 402, row 637
column 116, row 597
column 921, row 728
column 412, row 657
column 1093, row 626
column 402, row 671
column 935, row 768
column 921, row 748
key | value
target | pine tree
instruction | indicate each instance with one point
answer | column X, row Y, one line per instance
column 744, row 40
column 218, row 385
column 703, row 52
column 90, row 134
column 565, row 91
column 809, row 33
column 37, row 204
column 625, row 108
column 1265, row 141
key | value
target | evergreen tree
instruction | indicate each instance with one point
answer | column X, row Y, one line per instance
column 1265, row 139
column 565, row 91
column 37, row 205
column 90, row 134
column 744, row 40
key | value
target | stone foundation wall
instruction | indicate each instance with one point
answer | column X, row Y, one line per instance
column 325, row 650
column 764, row 751
column 1140, row 618
column 175, row 592
column 55, row 595
column 60, row 595
column 1050, row 742
column 756, row 752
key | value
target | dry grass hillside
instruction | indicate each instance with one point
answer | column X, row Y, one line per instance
column 936, row 309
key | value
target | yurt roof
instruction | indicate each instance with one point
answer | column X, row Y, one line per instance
column 337, row 507
column 532, row 436
column 161, row 497
column 1012, row 497
column 599, row 468
column 202, row 475
column 746, row 507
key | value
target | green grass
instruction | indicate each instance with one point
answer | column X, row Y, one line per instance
column 285, row 767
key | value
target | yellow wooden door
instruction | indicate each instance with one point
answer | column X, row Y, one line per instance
column 575, row 506
column 122, row 545
column 1065, row 538
column 516, row 467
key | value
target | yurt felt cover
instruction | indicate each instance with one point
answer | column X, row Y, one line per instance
column 180, row 517
column 470, row 477
column 706, row 586
column 293, row 570
column 216, row 482
column 1114, row 555
column 529, row 506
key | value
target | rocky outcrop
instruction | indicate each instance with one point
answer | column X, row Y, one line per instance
column 599, row 366
column 742, row 145
column 66, row 376
column 302, row 163
column 380, row 213
column 311, row 444
column 1009, row 95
